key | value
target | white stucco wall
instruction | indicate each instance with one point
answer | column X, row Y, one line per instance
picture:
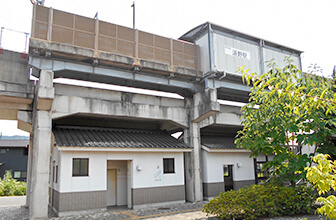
column 213, row 166
column 55, row 162
column 150, row 162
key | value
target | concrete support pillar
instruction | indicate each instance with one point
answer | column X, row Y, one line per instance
column 41, row 148
column 39, row 188
column 192, row 163
column 202, row 105
column 29, row 166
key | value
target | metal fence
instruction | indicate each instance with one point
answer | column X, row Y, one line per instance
column 66, row 28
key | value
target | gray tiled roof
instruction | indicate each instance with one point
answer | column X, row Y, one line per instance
column 218, row 142
column 13, row 143
column 115, row 138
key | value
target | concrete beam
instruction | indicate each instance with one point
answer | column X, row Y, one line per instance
column 205, row 105
column 109, row 59
column 70, row 100
column 229, row 119
column 16, row 103
column 24, row 121
column 228, row 115
column 140, row 79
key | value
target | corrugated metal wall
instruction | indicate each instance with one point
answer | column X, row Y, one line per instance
column 279, row 57
column 203, row 43
column 229, row 53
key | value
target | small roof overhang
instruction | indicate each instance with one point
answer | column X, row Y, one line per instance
column 225, row 150
column 108, row 139
column 220, row 143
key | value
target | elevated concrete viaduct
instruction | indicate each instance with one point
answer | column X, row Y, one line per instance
column 92, row 50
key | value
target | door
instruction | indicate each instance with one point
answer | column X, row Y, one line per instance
column 228, row 177
column 111, row 187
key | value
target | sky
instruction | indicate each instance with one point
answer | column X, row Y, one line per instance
column 306, row 25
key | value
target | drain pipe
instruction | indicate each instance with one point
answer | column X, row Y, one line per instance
column 210, row 42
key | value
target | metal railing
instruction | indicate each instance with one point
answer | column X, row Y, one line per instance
column 61, row 27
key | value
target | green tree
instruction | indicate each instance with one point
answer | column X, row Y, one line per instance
column 287, row 109
column 323, row 177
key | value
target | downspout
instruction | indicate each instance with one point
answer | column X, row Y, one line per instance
column 261, row 51
column 210, row 42
column 300, row 64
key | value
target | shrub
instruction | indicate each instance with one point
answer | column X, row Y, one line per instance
column 12, row 187
column 269, row 200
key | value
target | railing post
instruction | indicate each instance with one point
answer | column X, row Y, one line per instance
column 171, row 52
column 50, row 22
column 96, row 40
column 136, row 46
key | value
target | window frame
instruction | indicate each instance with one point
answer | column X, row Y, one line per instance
column 81, row 173
column 260, row 170
column 168, row 170
column 17, row 171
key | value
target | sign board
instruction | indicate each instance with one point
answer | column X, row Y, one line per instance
column 237, row 53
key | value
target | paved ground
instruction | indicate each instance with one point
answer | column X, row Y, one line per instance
column 187, row 211
column 12, row 200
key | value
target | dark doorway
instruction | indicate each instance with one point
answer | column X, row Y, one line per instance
column 228, row 177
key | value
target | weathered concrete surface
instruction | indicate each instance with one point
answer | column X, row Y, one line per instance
column 115, row 60
column 16, row 90
column 228, row 116
column 194, row 188
column 39, row 171
column 14, row 75
column 205, row 105
column 71, row 100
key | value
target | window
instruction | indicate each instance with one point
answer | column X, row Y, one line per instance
column 168, row 165
column 56, row 178
column 23, row 174
column 260, row 172
column 54, row 173
column 80, row 167
column 3, row 151
column 17, row 174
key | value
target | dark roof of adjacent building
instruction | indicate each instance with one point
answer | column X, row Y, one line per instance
column 218, row 142
column 13, row 143
column 198, row 31
column 115, row 138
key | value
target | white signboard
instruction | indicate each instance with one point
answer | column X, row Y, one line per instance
column 237, row 53
column 158, row 175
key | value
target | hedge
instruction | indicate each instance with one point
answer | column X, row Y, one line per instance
column 268, row 200
column 12, row 187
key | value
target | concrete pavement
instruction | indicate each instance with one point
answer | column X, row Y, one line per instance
column 15, row 210
column 6, row 201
